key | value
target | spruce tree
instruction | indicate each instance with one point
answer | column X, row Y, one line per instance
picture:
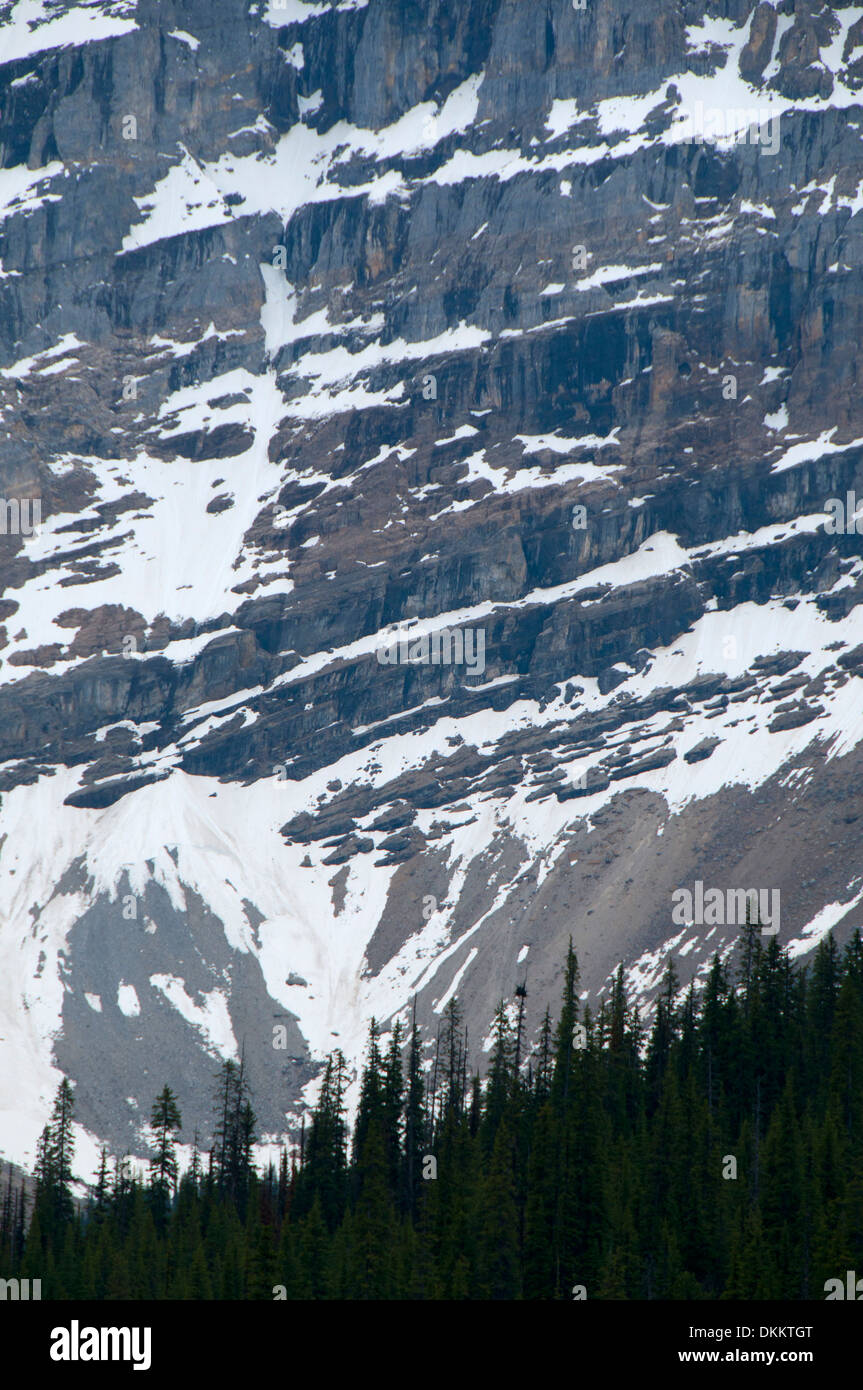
column 165, row 1119
column 416, row 1124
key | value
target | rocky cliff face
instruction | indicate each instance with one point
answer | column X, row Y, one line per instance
column 441, row 419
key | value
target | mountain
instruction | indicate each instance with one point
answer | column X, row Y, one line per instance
column 429, row 437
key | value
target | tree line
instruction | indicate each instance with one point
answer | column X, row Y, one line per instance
column 720, row 1155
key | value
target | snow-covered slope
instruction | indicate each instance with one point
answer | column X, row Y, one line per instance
column 336, row 336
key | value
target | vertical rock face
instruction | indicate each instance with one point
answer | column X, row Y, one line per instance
column 803, row 73
column 430, row 444
column 757, row 53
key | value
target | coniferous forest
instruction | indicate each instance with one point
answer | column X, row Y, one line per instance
column 719, row 1157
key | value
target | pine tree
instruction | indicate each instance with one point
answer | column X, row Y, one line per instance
column 542, row 1080
column 565, row 1041
column 750, row 948
column 55, row 1153
column 234, row 1134
column 371, row 1102
column 324, row 1173
column 165, row 1118
column 454, row 1058
column 100, row 1199
column 373, row 1234
column 392, row 1113
column 665, row 1030
column 498, row 1263
column 501, row 1075
column 416, row 1124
